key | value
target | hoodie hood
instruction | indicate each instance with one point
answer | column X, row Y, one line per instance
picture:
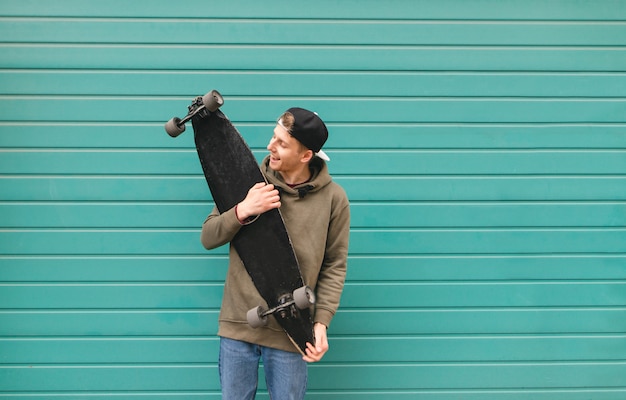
column 319, row 178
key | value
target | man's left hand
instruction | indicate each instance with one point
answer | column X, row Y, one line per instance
column 315, row 353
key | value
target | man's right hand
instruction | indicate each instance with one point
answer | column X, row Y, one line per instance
column 261, row 197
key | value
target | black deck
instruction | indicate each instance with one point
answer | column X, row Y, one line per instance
column 264, row 246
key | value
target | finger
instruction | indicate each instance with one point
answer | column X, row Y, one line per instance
column 274, row 199
column 264, row 187
column 321, row 345
column 312, row 350
column 318, row 342
column 258, row 185
column 311, row 354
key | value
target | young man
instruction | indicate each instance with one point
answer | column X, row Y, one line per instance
column 317, row 216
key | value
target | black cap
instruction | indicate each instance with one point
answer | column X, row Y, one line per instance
column 309, row 129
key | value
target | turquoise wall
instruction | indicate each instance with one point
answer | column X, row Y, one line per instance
column 482, row 144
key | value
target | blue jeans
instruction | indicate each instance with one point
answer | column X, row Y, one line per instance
column 285, row 372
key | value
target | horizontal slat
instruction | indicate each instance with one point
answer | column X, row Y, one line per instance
column 362, row 215
column 112, row 296
column 425, row 394
column 472, row 268
column 481, row 394
column 487, row 241
column 306, row 58
column 148, row 188
column 478, row 376
column 475, row 348
column 344, row 162
column 122, row 296
column 541, row 320
column 362, row 241
column 143, row 350
column 103, row 350
column 127, row 395
column 111, row 242
column 347, row 136
column 344, row 377
column 109, row 323
column 367, row 9
column 138, row 109
column 70, row 268
column 110, row 378
column 479, row 162
column 360, row 268
column 333, row 32
column 311, row 83
column 104, row 215
column 485, row 214
column 390, row 188
column 483, row 188
column 513, row 294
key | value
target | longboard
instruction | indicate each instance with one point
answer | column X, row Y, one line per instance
column 264, row 245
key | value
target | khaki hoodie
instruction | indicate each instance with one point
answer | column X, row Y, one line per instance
column 317, row 217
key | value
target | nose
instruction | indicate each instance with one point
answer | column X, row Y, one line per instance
column 270, row 145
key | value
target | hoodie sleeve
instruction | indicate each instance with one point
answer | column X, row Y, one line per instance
column 332, row 275
column 219, row 229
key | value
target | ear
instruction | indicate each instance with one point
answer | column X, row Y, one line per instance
column 307, row 156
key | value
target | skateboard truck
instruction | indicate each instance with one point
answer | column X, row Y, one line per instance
column 202, row 105
column 288, row 306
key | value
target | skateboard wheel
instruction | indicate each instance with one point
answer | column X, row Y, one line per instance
column 255, row 317
column 173, row 127
column 213, row 100
column 304, row 297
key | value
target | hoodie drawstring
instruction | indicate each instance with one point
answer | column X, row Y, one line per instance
column 303, row 191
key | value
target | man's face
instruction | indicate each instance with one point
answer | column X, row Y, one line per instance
column 286, row 152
